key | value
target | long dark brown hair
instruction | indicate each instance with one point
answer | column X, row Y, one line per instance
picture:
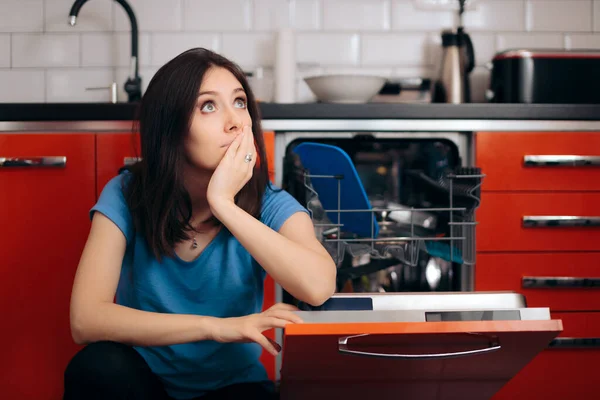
column 160, row 205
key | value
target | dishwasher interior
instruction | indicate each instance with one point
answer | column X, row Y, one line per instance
column 422, row 197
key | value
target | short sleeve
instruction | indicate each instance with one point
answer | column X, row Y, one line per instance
column 278, row 205
column 113, row 205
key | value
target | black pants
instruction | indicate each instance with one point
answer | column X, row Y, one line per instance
column 109, row 370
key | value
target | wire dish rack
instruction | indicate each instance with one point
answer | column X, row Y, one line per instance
column 454, row 238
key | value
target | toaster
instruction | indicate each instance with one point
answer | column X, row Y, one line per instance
column 545, row 76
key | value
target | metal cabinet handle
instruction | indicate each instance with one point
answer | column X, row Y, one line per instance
column 561, row 161
column 549, row 282
column 131, row 160
column 575, row 343
column 559, row 220
column 33, row 162
column 343, row 347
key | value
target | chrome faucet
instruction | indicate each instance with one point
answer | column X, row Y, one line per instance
column 133, row 85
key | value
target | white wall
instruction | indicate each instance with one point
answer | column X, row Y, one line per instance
column 42, row 59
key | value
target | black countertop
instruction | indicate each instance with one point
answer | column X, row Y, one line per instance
column 273, row 111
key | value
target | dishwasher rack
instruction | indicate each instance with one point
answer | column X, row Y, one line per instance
column 458, row 245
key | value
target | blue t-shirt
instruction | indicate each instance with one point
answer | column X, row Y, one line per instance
column 224, row 281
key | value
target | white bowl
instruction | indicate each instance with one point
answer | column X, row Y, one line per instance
column 345, row 88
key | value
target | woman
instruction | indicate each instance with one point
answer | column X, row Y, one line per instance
column 184, row 241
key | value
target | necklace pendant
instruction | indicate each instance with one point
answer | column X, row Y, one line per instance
column 194, row 244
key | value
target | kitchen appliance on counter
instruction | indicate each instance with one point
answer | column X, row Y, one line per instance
column 457, row 62
column 545, row 76
column 412, row 345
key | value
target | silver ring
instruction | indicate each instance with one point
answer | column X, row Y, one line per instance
column 248, row 157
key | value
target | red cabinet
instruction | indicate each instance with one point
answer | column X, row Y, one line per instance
column 539, row 235
column 44, row 220
column 113, row 151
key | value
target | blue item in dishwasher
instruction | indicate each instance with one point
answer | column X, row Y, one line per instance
column 326, row 160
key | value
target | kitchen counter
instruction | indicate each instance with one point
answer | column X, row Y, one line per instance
column 327, row 117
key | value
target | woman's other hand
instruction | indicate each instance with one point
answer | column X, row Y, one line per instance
column 234, row 170
column 250, row 328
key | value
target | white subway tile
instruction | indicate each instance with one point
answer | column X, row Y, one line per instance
column 22, row 86
column 480, row 83
column 211, row 15
column 151, row 15
column 22, row 16
column 352, row 15
column 68, row 85
column 166, row 46
column 484, row 45
column 4, row 51
column 420, row 71
column 596, row 15
column 533, row 40
column 407, row 17
column 381, row 71
column 122, row 74
column 270, row 14
column 556, row 16
column 328, row 48
column 112, row 50
column 94, row 16
column 306, row 14
column 582, row 42
column 49, row 50
column 395, row 49
column 496, row 15
column 249, row 49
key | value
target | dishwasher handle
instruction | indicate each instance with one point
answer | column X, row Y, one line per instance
column 344, row 348
column 561, row 161
column 530, row 221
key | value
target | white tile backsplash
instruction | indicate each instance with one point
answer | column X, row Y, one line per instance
column 328, row 48
column 4, row 51
column 41, row 53
column 151, row 15
column 50, row 50
column 353, row 15
column 596, row 15
column 532, row 40
column 583, row 41
column 166, row 46
column 249, row 49
column 395, row 49
column 496, row 15
column 22, row 86
column 271, row 15
column 22, row 15
column 407, row 17
column 307, row 14
column 229, row 15
column 112, row 50
column 69, row 85
column 553, row 15
column 94, row 16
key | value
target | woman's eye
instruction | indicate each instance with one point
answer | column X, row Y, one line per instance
column 208, row 107
column 241, row 103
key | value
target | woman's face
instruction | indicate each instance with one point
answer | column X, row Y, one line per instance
column 220, row 114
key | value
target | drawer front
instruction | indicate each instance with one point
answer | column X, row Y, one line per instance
column 560, row 372
column 532, row 222
column 538, row 160
column 561, row 281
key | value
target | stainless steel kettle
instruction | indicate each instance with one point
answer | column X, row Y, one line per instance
column 457, row 62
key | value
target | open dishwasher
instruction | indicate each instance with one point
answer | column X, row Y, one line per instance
column 381, row 335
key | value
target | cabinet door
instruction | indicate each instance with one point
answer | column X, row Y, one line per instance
column 44, row 219
column 568, row 369
column 113, row 151
column 539, row 161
